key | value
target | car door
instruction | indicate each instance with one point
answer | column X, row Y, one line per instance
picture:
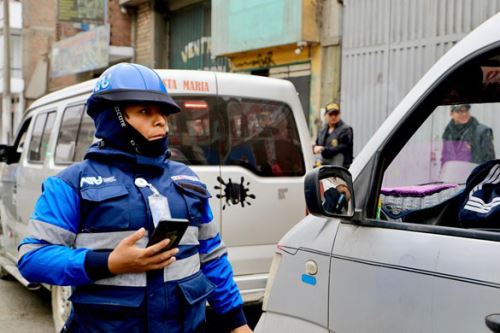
column 261, row 184
column 8, row 206
column 408, row 262
column 195, row 135
column 34, row 165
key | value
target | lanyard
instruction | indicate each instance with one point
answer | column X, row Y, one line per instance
column 158, row 204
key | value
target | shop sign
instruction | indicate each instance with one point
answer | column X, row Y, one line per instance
column 83, row 11
column 83, row 52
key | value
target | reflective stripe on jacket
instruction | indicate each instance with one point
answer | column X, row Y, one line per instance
column 92, row 206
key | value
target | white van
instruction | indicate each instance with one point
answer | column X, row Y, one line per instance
column 245, row 136
column 397, row 256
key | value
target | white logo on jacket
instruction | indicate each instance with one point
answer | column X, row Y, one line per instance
column 96, row 180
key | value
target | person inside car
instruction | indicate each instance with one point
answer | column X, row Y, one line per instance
column 465, row 138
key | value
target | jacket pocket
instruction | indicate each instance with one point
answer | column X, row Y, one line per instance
column 105, row 310
column 196, row 196
column 105, row 208
column 195, row 291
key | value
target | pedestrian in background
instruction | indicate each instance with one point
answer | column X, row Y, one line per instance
column 466, row 139
column 335, row 140
column 90, row 226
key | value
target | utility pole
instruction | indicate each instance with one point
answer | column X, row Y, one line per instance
column 6, row 133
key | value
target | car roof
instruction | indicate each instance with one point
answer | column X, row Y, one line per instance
column 194, row 82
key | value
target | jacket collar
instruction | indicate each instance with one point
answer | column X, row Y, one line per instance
column 104, row 153
column 340, row 123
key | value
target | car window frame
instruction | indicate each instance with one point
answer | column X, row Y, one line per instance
column 371, row 177
column 33, row 122
column 66, row 107
column 224, row 99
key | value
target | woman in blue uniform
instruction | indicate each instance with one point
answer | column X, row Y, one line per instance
column 90, row 226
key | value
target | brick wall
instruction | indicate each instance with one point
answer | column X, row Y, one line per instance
column 41, row 29
column 144, row 48
column 39, row 26
column 120, row 24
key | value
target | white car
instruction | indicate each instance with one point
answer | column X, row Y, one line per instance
column 395, row 256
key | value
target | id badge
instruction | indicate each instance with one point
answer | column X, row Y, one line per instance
column 159, row 207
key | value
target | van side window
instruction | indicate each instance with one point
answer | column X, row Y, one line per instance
column 194, row 134
column 85, row 137
column 263, row 137
column 40, row 136
column 68, row 134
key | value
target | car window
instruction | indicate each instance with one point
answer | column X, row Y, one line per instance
column 85, row 137
column 262, row 137
column 22, row 135
column 40, row 136
column 193, row 134
column 68, row 133
column 425, row 182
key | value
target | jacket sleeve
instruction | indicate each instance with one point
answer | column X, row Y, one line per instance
column 53, row 227
column 225, row 299
column 487, row 147
column 344, row 142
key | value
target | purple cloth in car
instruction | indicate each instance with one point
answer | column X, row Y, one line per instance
column 456, row 150
column 415, row 191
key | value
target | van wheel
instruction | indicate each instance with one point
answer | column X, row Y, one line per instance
column 61, row 306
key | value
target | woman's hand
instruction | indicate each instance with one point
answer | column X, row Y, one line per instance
column 128, row 258
column 242, row 329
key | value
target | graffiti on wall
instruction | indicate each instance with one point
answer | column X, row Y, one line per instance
column 197, row 54
column 260, row 60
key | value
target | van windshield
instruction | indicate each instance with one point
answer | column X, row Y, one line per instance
column 258, row 135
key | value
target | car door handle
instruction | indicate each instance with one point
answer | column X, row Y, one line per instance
column 493, row 322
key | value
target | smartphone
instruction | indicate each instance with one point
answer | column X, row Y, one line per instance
column 172, row 229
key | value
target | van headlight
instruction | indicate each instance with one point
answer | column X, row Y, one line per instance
column 270, row 280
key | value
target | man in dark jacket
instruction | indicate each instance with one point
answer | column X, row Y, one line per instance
column 465, row 139
column 335, row 140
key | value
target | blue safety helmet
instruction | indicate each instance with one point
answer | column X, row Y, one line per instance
column 118, row 86
column 127, row 82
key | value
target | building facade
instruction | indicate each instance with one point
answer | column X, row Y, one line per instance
column 297, row 40
column 64, row 44
column 12, row 113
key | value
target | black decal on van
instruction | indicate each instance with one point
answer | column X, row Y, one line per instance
column 234, row 193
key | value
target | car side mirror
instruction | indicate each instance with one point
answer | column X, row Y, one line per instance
column 329, row 192
column 7, row 154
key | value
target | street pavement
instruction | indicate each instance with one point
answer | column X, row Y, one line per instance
column 25, row 311
column 22, row 310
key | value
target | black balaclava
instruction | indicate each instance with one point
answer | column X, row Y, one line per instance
column 112, row 127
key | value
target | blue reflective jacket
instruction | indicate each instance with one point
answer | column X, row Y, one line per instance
column 88, row 208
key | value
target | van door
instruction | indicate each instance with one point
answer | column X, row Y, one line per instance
column 8, row 207
column 261, row 185
column 195, row 137
column 412, row 263
column 34, row 169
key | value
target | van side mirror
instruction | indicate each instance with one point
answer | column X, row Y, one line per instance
column 8, row 154
column 329, row 192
